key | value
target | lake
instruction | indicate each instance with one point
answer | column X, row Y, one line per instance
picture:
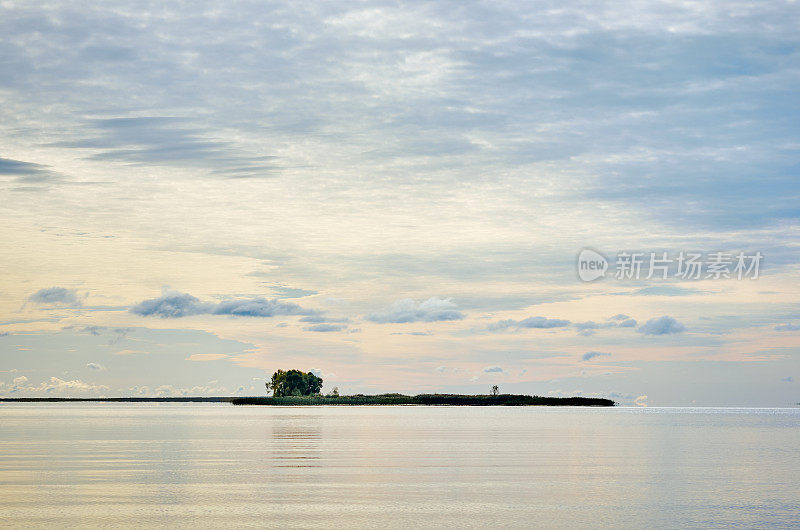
column 217, row 465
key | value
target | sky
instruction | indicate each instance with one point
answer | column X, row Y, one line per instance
column 395, row 195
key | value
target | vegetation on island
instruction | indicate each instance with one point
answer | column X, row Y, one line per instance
column 295, row 387
column 425, row 399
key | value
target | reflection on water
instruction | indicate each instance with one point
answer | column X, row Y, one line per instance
column 295, row 440
column 184, row 465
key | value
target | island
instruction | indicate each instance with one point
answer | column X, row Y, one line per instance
column 297, row 388
column 426, row 399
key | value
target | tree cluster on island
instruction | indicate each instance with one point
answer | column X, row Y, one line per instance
column 294, row 383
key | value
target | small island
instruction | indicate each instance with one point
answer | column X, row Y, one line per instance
column 297, row 388
column 426, row 399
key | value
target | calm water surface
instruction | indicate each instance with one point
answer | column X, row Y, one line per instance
column 216, row 465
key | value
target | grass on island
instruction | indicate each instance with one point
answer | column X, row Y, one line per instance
column 425, row 399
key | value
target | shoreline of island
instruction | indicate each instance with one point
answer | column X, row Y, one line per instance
column 428, row 399
column 354, row 400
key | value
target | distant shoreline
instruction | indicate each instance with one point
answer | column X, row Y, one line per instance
column 198, row 399
column 376, row 400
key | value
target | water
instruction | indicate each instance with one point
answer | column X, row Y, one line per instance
column 216, row 465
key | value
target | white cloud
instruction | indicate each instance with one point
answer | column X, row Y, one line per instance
column 325, row 328
column 21, row 386
column 407, row 310
column 588, row 327
column 142, row 390
column 173, row 304
column 319, row 372
column 665, row 325
column 529, row 323
column 60, row 386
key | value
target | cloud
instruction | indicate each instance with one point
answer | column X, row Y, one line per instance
column 167, row 140
column 665, row 325
column 259, row 307
column 789, row 379
column 617, row 321
column 281, row 291
column 787, row 327
column 493, row 370
column 316, row 319
column 449, row 82
column 93, row 330
column 641, row 401
column 322, row 374
column 174, row 304
column 589, row 355
column 28, row 172
column 319, row 319
column 529, row 323
column 17, row 167
column 55, row 296
column 55, row 385
column 324, row 328
column 543, row 323
column 117, row 334
column 407, row 310
column 96, row 367
column 502, row 324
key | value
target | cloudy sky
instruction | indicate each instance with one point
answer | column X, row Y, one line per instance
column 395, row 195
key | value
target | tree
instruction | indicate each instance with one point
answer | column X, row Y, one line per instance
column 495, row 390
column 294, row 383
